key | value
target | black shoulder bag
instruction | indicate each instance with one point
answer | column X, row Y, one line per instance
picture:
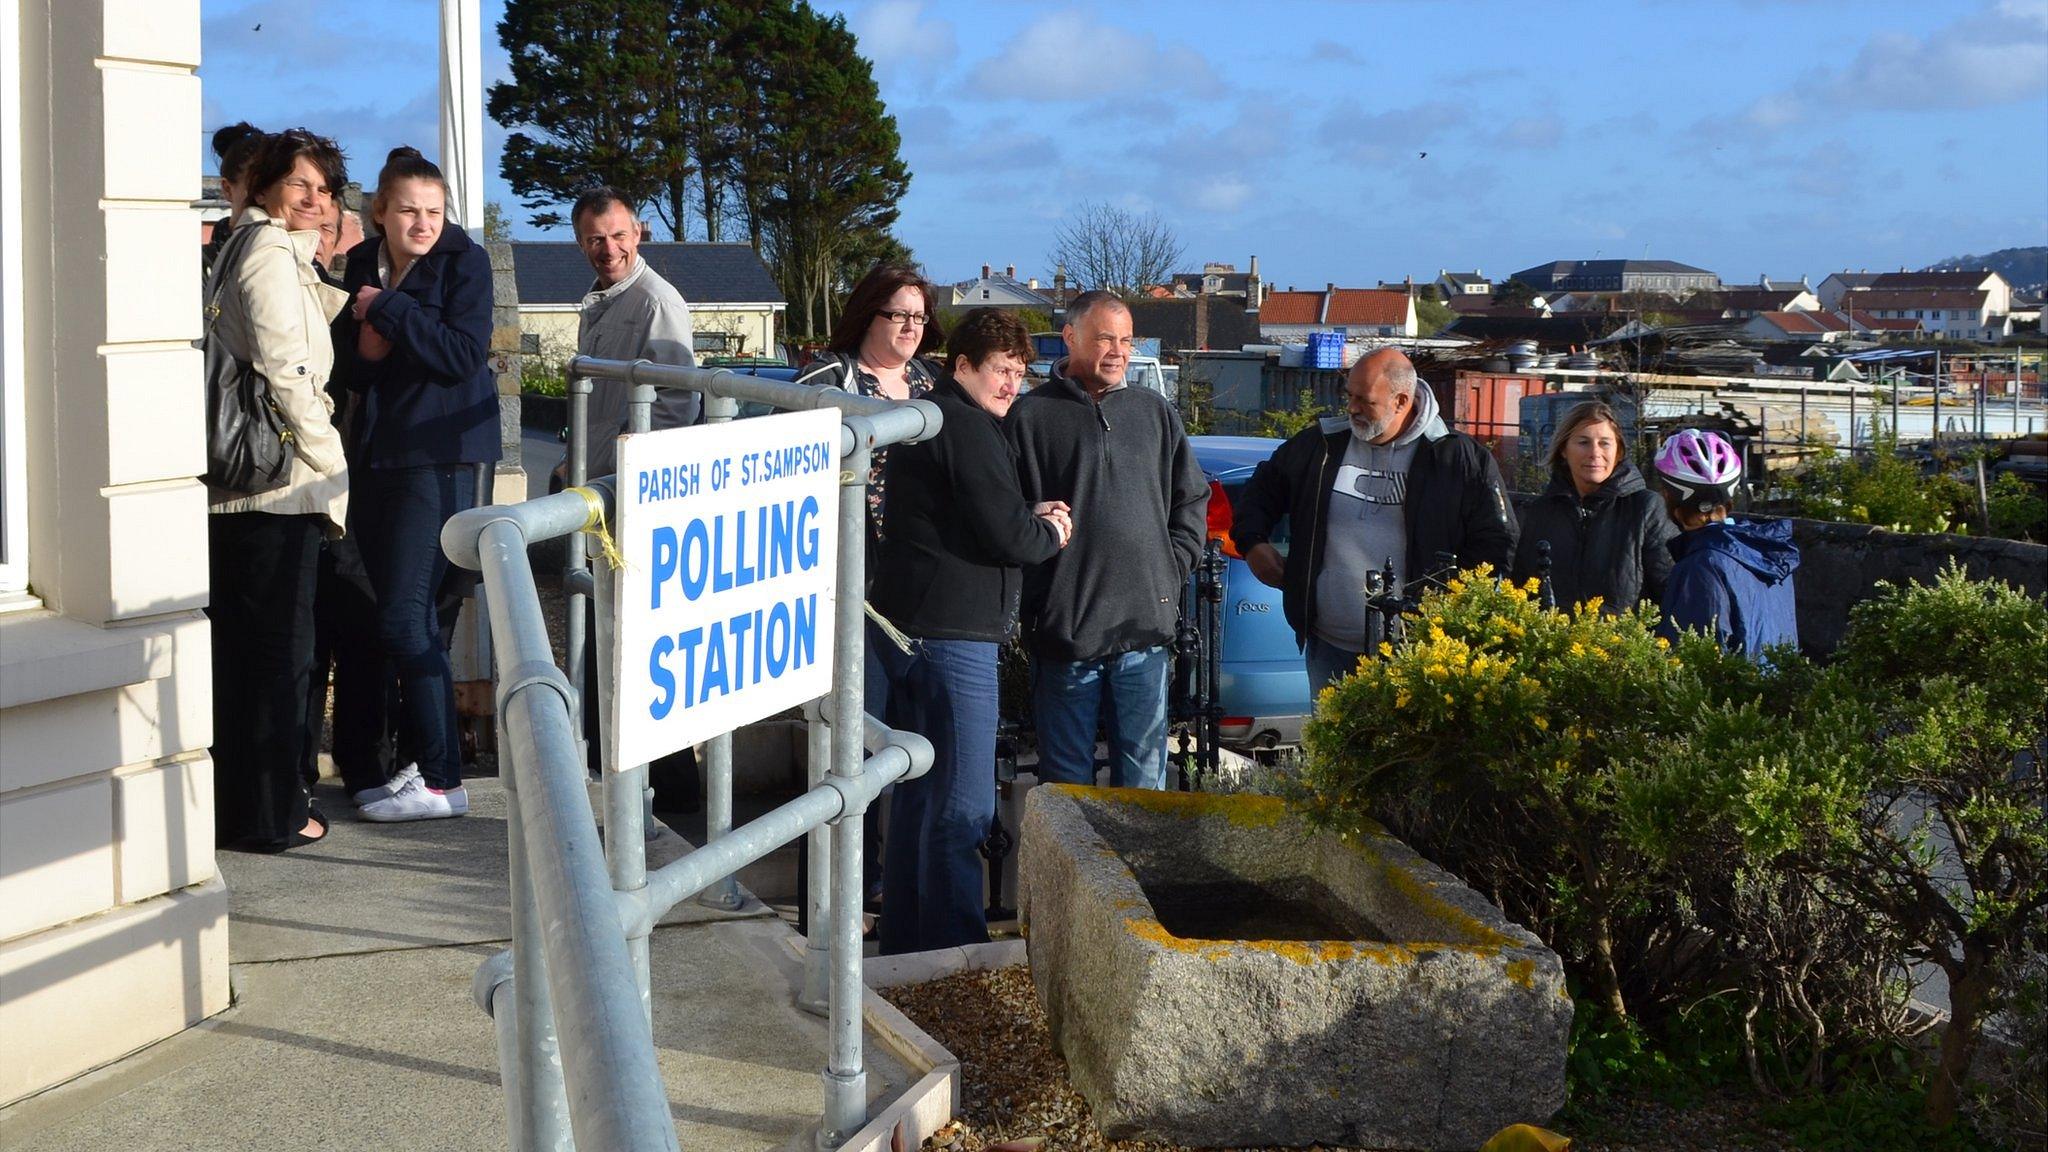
column 249, row 446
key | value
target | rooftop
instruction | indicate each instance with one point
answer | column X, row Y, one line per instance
column 555, row 272
column 1365, row 307
column 1609, row 268
column 1894, row 298
column 1944, row 279
column 1805, row 323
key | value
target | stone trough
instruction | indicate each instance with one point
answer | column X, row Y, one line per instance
column 1216, row 973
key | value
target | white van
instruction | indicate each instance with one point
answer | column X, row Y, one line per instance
column 1145, row 372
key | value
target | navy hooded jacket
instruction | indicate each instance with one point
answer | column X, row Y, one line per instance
column 434, row 399
column 1734, row 578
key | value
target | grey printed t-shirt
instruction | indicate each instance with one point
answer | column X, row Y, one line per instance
column 1365, row 527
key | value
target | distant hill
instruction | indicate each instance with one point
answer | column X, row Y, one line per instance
column 2026, row 269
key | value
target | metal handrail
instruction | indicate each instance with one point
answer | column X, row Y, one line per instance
column 586, row 1076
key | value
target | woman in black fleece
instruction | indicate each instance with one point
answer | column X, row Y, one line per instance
column 1607, row 530
column 956, row 530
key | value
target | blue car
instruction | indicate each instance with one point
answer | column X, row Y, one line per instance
column 1264, row 683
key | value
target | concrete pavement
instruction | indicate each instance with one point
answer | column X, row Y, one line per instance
column 353, row 1025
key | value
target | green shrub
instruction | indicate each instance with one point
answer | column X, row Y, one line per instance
column 2017, row 510
column 1282, row 423
column 541, row 376
column 1697, row 834
column 1881, row 488
column 1955, row 675
column 1498, row 738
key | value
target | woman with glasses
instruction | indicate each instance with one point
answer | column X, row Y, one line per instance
column 958, row 532
column 263, row 548
column 877, row 349
column 415, row 347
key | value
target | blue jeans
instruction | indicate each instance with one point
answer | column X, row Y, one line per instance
column 932, row 870
column 1066, row 699
column 396, row 515
column 1327, row 664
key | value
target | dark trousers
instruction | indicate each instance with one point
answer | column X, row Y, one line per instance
column 263, row 569
column 674, row 779
column 345, row 640
column 932, row 871
column 396, row 515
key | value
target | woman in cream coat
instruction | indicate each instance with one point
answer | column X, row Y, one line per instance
column 264, row 549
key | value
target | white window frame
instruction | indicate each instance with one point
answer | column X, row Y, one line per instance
column 13, row 414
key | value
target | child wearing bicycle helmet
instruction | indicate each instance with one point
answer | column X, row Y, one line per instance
column 1731, row 578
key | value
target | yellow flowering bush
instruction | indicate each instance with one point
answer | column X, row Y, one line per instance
column 1497, row 736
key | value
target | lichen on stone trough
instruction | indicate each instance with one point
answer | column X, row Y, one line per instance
column 1217, row 973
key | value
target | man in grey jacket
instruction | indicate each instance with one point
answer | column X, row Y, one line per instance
column 1099, row 616
column 631, row 313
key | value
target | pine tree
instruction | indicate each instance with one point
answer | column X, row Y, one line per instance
column 597, row 85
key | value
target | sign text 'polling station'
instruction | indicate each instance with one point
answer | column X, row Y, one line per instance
column 731, row 534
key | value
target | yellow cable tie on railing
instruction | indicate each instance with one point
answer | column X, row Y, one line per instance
column 594, row 525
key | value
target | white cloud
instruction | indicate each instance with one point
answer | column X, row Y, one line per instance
column 1993, row 57
column 1073, row 56
column 903, row 42
column 1532, row 132
column 1222, row 194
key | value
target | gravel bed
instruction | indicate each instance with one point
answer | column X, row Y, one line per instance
column 1014, row 1095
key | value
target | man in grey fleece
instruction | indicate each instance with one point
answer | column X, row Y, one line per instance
column 1386, row 482
column 1099, row 615
column 631, row 313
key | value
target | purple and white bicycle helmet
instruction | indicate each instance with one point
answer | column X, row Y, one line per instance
column 1702, row 468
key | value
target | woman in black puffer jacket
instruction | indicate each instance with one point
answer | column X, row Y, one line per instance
column 1607, row 530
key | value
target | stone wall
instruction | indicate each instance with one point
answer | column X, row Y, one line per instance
column 1840, row 565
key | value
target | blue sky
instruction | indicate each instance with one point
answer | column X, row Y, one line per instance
column 1743, row 136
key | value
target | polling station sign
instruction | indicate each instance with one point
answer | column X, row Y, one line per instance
column 730, row 534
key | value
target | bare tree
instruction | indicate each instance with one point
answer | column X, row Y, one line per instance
column 1103, row 246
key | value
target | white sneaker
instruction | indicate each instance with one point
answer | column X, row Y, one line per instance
column 415, row 801
column 387, row 789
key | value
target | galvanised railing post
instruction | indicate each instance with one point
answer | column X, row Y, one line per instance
column 845, row 1075
column 625, row 812
column 725, row 894
column 576, row 639
column 617, row 1097
column 604, row 1050
column 818, row 853
column 537, row 1097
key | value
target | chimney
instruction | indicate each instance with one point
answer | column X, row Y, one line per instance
column 1202, row 320
column 1033, row 284
column 1010, row 271
column 984, row 271
column 1329, row 290
column 1254, row 289
column 646, row 231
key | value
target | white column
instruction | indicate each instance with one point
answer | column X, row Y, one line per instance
column 462, row 111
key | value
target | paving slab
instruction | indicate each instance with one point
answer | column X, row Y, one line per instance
column 377, row 887
column 353, row 1025
column 386, row 1050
